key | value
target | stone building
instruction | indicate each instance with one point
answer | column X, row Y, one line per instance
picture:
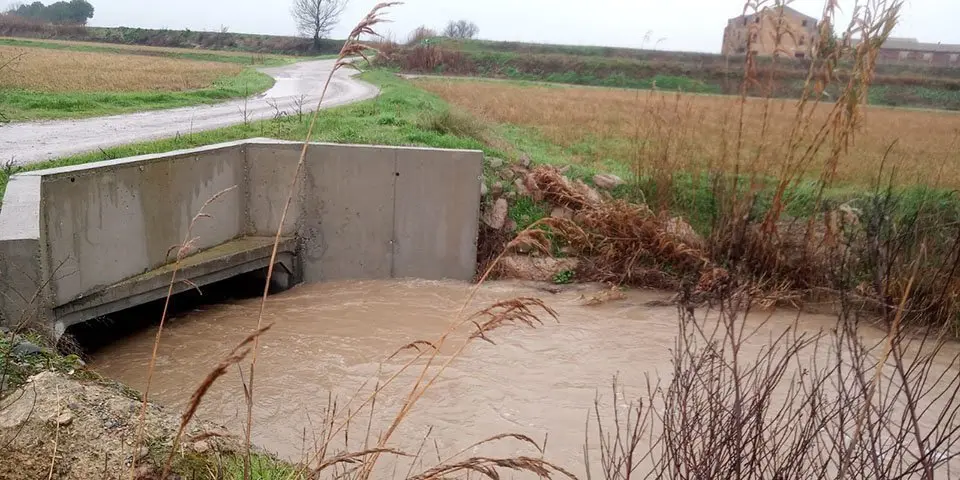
column 771, row 31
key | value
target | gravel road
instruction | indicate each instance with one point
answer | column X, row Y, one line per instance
column 32, row 142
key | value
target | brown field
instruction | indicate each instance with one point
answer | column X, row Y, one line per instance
column 41, row 69
column 147, row 49
column 696, row 132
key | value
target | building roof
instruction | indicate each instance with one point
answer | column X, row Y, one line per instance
column 912, row 44
column 788, row 11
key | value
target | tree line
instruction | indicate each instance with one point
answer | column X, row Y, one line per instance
column 72, row 12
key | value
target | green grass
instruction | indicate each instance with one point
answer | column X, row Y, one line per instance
column 24, row 105
column 209, row 56
column 15, row 370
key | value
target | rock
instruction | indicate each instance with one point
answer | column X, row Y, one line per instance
column 495, row 162
column 562, row 213
column 483, row 189
column 510, row 195
column 525, row 160
column 523, row 248
column 497, row 189
column 508, row 175
column 201, row 446
column 64, row 419
column 25, row 348
column 521, row 187
column 496, row 217
column 607, row 181
column 145, row 471
column 681, row 231
column 142, row 453
column 538, row 269
column 510, row 225
column 592, row 195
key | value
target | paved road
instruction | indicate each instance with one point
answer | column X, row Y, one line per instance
column 31, row 142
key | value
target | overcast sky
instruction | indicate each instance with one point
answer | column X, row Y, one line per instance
column 695, row 25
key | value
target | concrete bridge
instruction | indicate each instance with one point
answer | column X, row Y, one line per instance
column 77, row 243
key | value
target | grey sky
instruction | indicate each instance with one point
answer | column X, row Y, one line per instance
column 695, row 25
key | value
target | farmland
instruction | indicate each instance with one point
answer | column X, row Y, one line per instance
column 920, row 86
column 46, row 80
column 610, row 128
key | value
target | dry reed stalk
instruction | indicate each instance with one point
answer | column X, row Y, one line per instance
column 893, row 335
column 182, row 250
column 351, row 47
column 487, row 467
column 233, row 358
column 56, row 436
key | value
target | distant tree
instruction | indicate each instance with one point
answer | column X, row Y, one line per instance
column 461, row 29
column 73, row 12
column 317, row 18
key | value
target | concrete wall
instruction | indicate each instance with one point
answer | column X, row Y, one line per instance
column 359, row 212
column 381, row 212
column 116, row 220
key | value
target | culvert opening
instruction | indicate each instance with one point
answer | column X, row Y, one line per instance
column 87, row 338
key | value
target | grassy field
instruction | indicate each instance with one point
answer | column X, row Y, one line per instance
column 59, row 80
column 619, row 130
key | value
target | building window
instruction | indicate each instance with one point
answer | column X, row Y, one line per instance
column 800, row 55
column 954, row 57
column 745, row 19
column 754, row 37
column 804, row 24
column 803, row 40
column 756, row 20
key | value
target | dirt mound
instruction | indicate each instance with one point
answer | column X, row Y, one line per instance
column 80, row 429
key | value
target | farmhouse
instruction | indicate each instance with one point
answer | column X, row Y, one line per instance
column 911, row 50
column 771, row 31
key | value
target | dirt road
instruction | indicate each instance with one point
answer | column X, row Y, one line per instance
column 32, row 142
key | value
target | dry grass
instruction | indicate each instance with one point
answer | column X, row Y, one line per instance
column 41, row 69
column 689, row 132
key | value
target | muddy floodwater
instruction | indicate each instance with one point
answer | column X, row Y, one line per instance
column 330, row 339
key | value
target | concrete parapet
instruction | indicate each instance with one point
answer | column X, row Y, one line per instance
column 84, row 241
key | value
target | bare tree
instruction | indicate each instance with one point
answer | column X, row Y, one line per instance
column 317, row 18
column 461, row 29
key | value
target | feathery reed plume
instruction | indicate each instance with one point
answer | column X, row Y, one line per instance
column 183, row 250
column 352, row 46
column 487, row 467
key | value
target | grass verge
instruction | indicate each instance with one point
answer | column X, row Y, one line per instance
column 24, row 105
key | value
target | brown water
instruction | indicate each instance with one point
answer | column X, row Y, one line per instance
column 332, row 338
